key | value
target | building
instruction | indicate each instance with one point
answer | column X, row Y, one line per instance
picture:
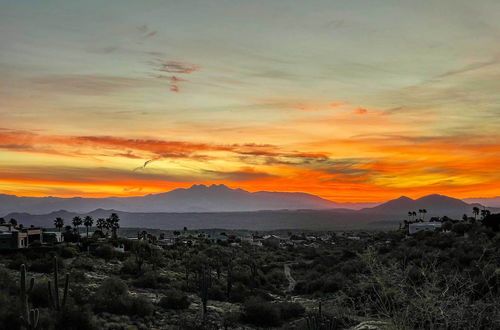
column 11, row 238
column 423, row 226
column 52, row 237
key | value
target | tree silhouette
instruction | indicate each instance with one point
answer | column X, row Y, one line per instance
column 475, row 211
column 77, row 221
column 88, row 222
column 59, row 223
column 2, row 221
column 113, row 223
column 13, row 222
column 424, row 212
column 101, row 224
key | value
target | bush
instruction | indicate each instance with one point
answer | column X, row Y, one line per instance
column 139, row 306
column 113, row 297
column 105, row 251
column 45, row 264
column 16, row 261
column 83, row 263
column 290, row 310
column 69, row 252
column 130, row 267
column 75, row 318
column 147, row 280
column 174, row 299
column 216, row 293
column 262, row 313
column 39, row 295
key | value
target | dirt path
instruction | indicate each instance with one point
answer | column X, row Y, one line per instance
column 288, row 275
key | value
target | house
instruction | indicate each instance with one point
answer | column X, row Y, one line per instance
column 271, row 240
column 423, row 226
column 52, row 237
column 12, row 238
column 34, row 234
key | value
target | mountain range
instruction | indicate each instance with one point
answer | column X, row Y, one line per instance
column 198, row 198
column 219, row 206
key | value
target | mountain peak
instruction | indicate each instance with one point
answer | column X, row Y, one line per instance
column 210, row 187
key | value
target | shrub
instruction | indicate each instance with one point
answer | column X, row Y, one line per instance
column 139, row 306
column 39, row 296
column 130, row 267
column 105, row 251
column 16, row 261
column 146, row 280
column 113, row 297
column 262, row 313
column 290, row 310
column 45, row 264
column 75, row 318
column 69, row 252
column 84, row 263
column 175, row 299
column 216, row 293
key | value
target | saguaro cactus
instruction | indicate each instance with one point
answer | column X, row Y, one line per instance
column 54, row 298
column 29, row 317
column 205, row 284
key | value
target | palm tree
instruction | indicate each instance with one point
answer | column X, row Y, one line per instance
column 101, row 224
column 77, row 221
column 409, row 215
column 2, row 221
column 424, row 212
column 113, row 223
column 485, row 213
column 414, row 214
column 13, row 222
column 59, row 223
column 88, row 222
column 419, row 213
column 475, row 210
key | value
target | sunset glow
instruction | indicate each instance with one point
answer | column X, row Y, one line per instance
column 350, row 102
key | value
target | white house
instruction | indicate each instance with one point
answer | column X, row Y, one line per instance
column 423, row 226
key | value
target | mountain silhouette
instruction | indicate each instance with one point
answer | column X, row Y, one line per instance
column 435, row 204
column 198, row 198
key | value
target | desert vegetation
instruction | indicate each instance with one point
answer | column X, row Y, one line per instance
column 447, row 278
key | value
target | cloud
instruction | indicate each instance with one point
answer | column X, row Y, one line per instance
column 88, row 84
column 175, row 68
column 242, row 175
column 360, row 111
column 470, row 67
column 145, row 32
column 146, row 163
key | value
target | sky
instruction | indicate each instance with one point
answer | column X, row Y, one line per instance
column 353, row 101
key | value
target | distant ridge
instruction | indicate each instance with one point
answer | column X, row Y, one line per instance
column 435, row 204
column 197, row 198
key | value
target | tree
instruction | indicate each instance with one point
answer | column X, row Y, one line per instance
column 13, row 222
column 424, row 212
column 88, row 222
column 475, row 211
column 113, row 223
column 77, row 221
column 409, row 215
column 101, row 224
column 485, row 213
column 59, row 223
column 2, row 221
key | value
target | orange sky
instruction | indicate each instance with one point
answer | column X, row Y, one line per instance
column 349, row 101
